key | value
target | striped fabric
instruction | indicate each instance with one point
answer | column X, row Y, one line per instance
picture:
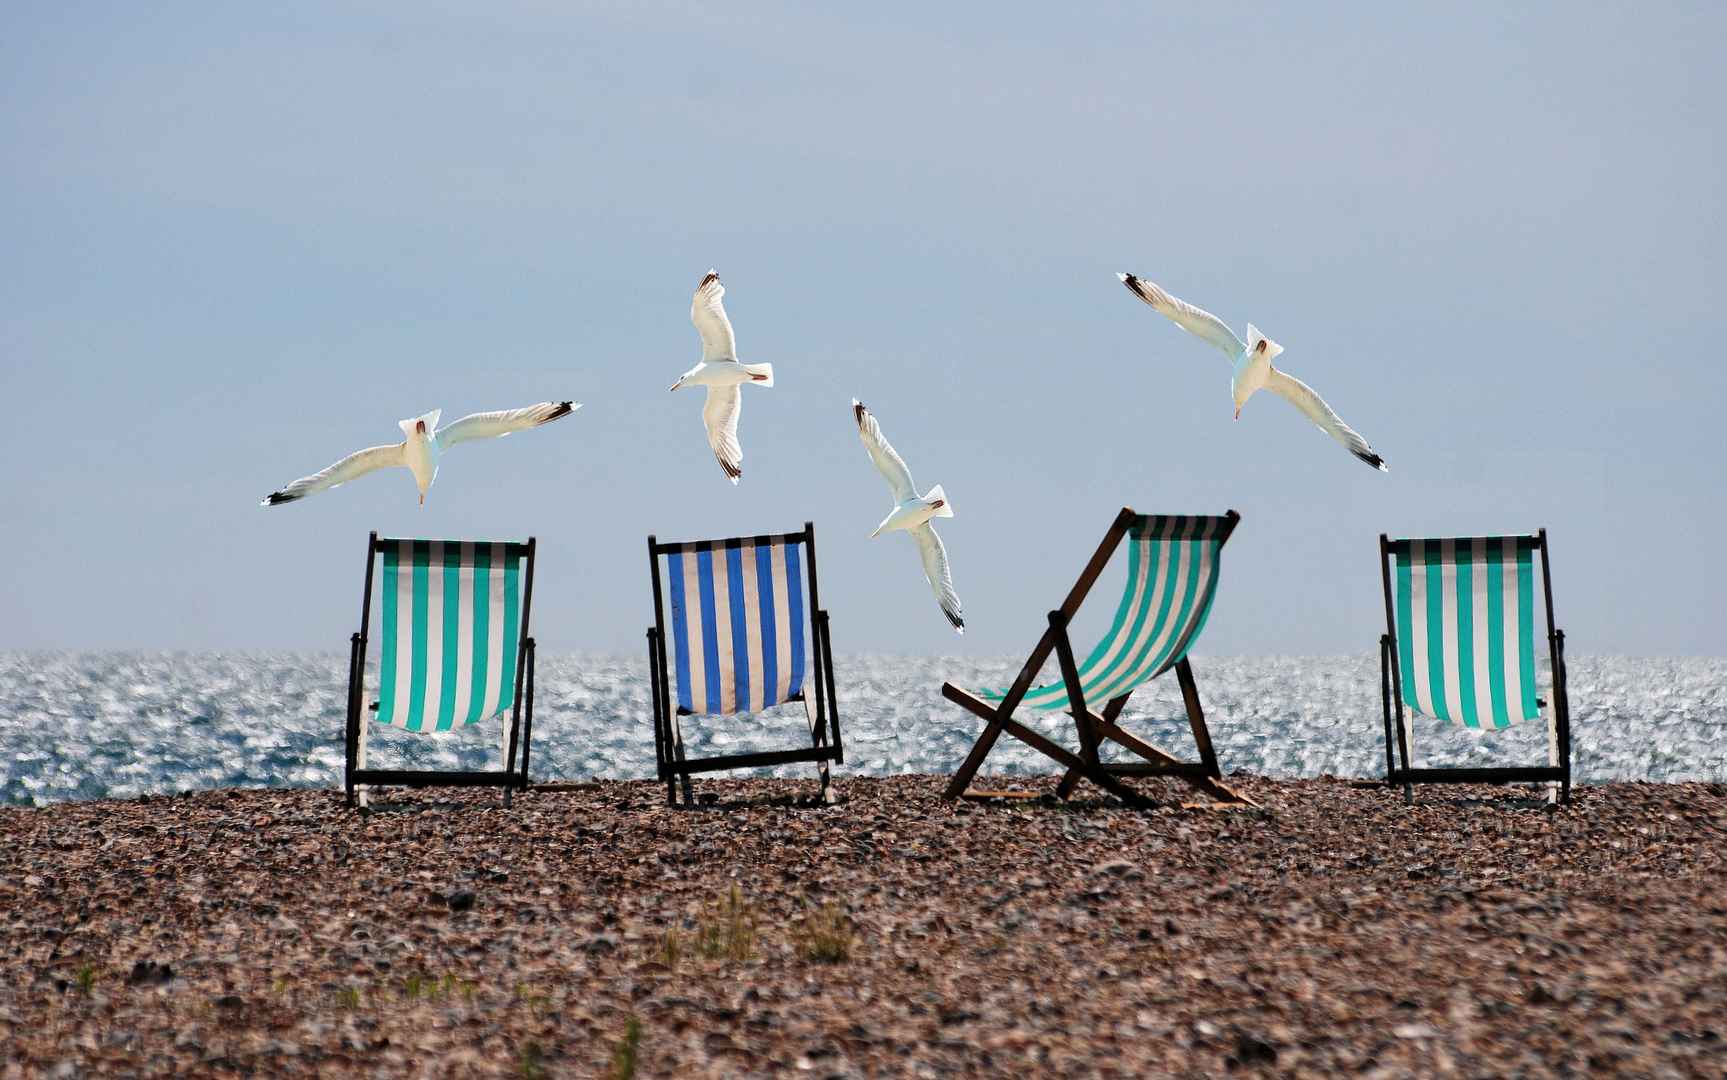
column 1466, row 628
column 451, row 618
column 1172, row 573
column 737, row 625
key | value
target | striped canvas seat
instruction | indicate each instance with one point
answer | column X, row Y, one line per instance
column 450, row 616
column 738, row 627
column 737, row 633
column 1172, row 574
column 1466, row 629
column 453, row 650
column 1459, row 646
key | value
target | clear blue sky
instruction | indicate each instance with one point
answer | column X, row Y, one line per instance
column 236, row 244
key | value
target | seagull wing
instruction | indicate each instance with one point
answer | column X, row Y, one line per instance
column 887, row 461
column 709, row 315
column 720, row 417
column 1196, row 321
column 493, row 425
column 1305, row 398
column 936, row 572
column 359, row 463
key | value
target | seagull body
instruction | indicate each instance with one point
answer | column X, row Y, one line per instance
column 1251, row 368
column 721, row 373
column 423, row 444
column 912, row 513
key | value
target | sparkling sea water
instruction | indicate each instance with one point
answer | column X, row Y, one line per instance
column 116, row 725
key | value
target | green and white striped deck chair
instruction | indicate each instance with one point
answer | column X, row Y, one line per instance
column 453, row 650
column 1173, row 563
column 1459, row 646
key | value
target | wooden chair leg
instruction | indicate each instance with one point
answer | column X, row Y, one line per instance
column 1111, row 710
column 813, row 707
column 1196, row 717
column 985, row 741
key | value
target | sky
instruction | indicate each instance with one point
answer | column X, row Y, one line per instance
column 236, row 244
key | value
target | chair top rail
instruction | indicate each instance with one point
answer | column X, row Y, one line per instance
column 679, row 547
column 515, row 549
column 1400, row 545
column 1221, row 525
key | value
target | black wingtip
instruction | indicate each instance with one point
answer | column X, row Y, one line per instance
column 564, row 408
column 858, row 411
column 277, row 498
column 1372, row 459
column 732, row 471
column 1132, row 284
column 957, row 621
column 710, row 276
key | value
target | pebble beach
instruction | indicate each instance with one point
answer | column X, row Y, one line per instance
column 595, row 931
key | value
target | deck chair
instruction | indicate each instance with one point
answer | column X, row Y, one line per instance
column 738, row 644
column 1459, row 645
column 1172, row 572
column 454, row 650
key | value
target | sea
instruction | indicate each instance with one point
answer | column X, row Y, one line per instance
column 101, row 725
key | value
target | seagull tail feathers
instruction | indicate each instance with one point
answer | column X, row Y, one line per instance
column 936, row 494
column 761, row 374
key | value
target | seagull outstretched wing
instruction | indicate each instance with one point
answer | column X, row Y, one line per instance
column 720, row 417
column 1305, row 398
column 359, row 463
column 493, row 425
column 881, row 452
column 936, row 572
column 709, row 315
column 1196, row 321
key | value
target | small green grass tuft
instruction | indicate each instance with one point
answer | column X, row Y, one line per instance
column 531, row 1061
column 728, row 932
column 826, row 935
column 85, row 979
column 535, row 999
column 348, row 997
column 624, row 1054
column 672, row 948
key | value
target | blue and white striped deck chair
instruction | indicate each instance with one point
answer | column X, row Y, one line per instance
column 1172, row 574
column 746, row 633
column 1459, row 646
column 453, row 650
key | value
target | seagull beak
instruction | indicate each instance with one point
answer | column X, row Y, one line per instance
column 675, row 385
column 422, row 498
column 1238, row 412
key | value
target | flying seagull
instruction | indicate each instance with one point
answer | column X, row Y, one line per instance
column 1253, row 371
column 912, row 512
column 424, row 444
column 721, row 373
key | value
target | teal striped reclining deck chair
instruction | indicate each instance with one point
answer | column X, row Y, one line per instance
column 453, row 650
column 747, row 630
column 1172, row 573
column 1459, row 645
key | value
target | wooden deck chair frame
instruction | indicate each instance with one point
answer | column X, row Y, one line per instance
column 821, row 709
column 1398, row 770
column 521, row 714
column 1093, row 727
